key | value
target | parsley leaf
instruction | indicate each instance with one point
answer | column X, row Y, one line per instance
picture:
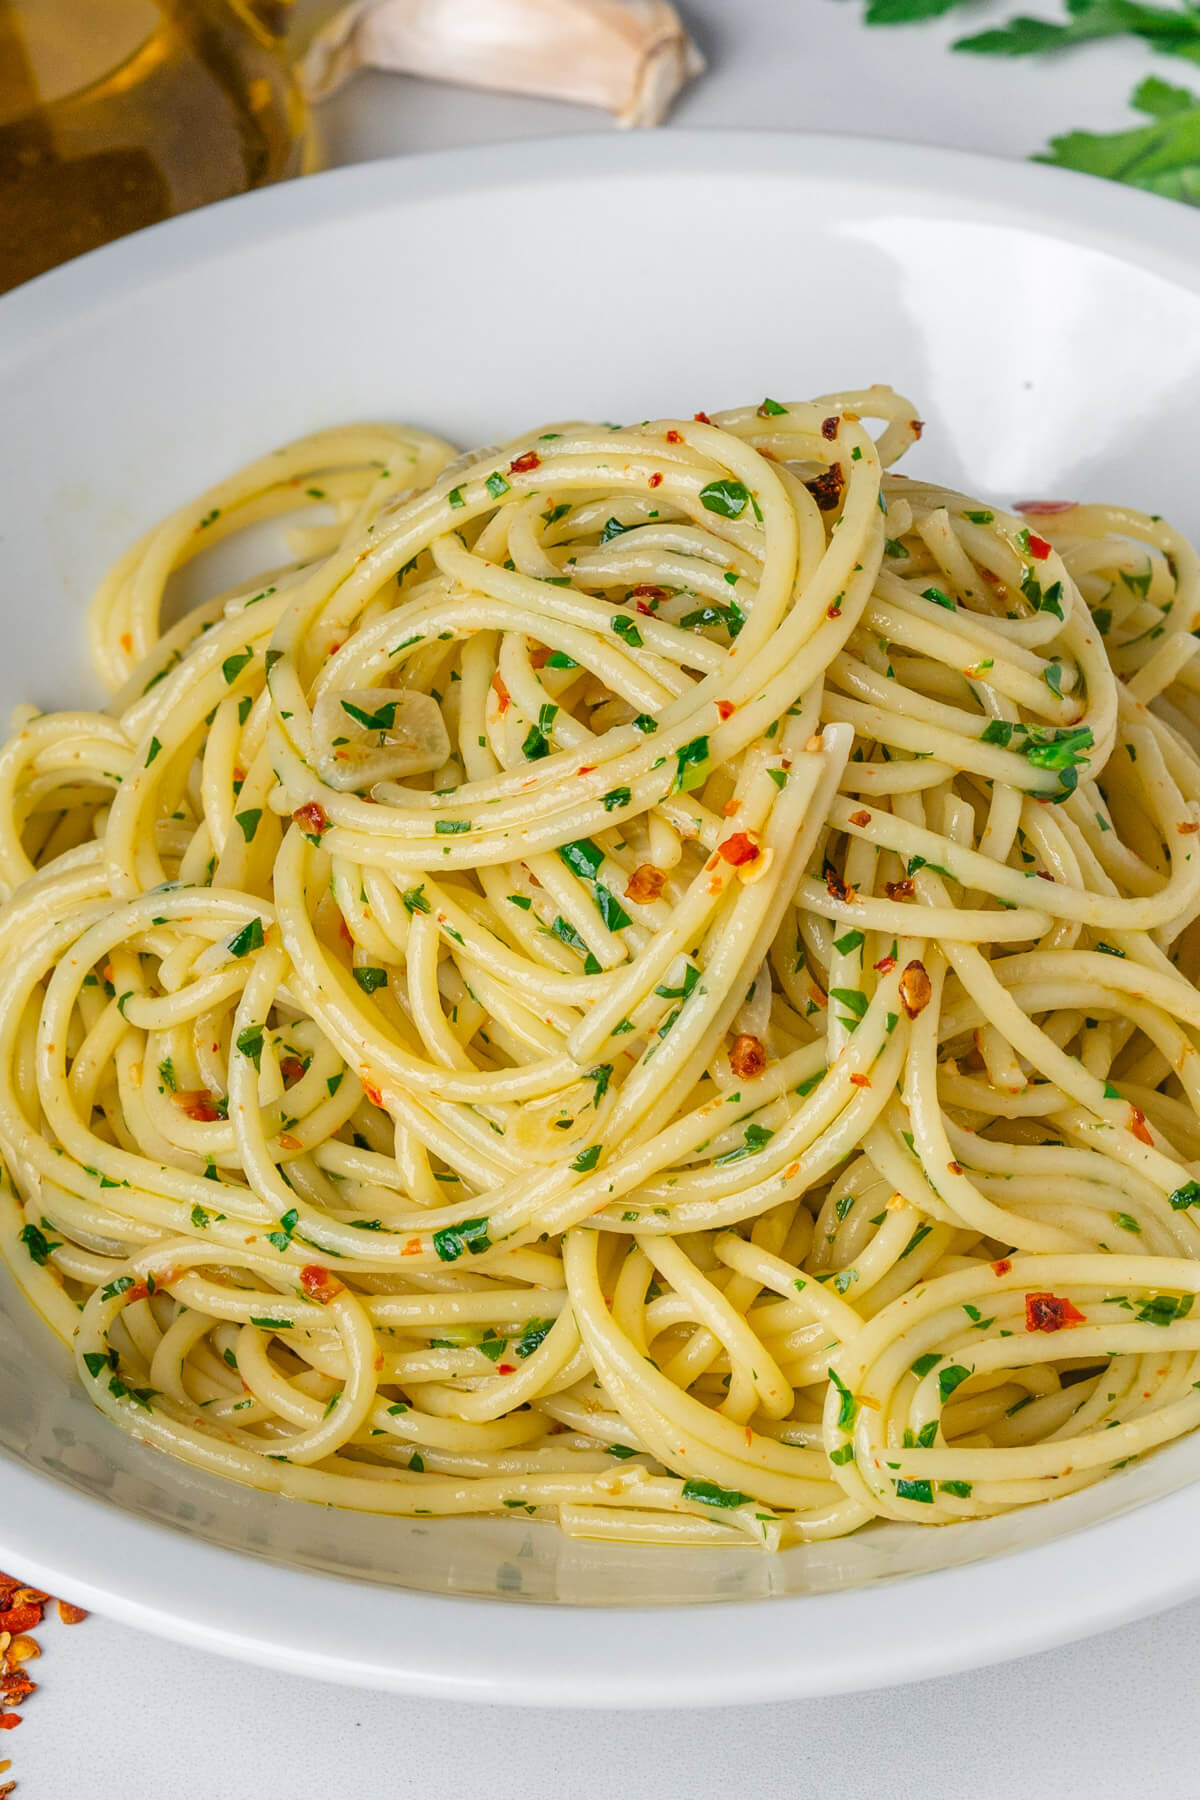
column 1163, row 157
column 729, row 498
column 452, row 1240
column 709, row 1494
column 38, row 1246
column 1174, row 32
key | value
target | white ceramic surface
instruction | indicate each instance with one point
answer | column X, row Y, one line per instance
column 1048, row 329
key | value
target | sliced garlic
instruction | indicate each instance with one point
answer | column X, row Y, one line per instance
column 555, row 1129
column 754, row 1015
column 629, row 56
column 376, row 734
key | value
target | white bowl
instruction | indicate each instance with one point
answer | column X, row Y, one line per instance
column 1048, row 328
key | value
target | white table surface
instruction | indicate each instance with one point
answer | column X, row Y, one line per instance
column 121, row 1716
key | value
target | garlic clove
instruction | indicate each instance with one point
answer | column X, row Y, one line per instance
column 631, row 57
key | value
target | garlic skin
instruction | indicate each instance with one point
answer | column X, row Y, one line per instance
column 629, row 56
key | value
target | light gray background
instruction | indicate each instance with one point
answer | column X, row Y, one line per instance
column 126, row 1717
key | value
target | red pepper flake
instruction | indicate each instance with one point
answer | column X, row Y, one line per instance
column 506, row 1368
column 861, row 1080
column 826, row 489
column 748, row 1056
column 320, row 1284
column 197, row 1103
column 900, row 890
column 916, row 426
column 1002, row 1267
column 738, row 849
column 127, row 642
column 412, row 1248
column 731, row 808
column 838, row 889
column 521, row 465
column 646, row 590
column 656, row 480
column 1038, row 547
column 539, row 656
column 916, row 989
column 1050, row 1312
column 829, row 427
column 860, row 818
column 955, row 1168
column 373, row 1094
column 288, row 1142
column 501, row 692
column 311, row 817
column 834, row 611
column 20, row 1618
column 885, row 965
column 586, row 769
column 1045, row 507
column 9, row 1721
column 1187, row 827
column 1138, row 1125
column 646, row 884
column 702, row 418
column 726, row 710
column 674, row 437
column 71, row 1614
column 292, row 1069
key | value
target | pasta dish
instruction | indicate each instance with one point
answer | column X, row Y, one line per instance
column 644, row 977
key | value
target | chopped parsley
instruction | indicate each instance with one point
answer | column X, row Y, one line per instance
column 369, row 979
column 250, row 937
column 728, row 498
column 756, row 1137
column 452, row 1240
column 915, row 1490
column 690, row 765
column 38, row 1246
column 848, row 1408
column 709, row 1494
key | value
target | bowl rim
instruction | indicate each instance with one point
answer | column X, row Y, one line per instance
column 157, row 1578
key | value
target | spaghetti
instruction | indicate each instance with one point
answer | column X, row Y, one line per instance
column 645, row 977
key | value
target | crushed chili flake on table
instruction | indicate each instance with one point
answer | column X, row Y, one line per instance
column 21, row 1609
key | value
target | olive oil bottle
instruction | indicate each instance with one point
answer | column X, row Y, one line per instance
column 117, row 113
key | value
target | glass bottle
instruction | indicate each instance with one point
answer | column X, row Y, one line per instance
column 117, row 113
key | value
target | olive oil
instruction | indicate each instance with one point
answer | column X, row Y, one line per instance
column 117, row 113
